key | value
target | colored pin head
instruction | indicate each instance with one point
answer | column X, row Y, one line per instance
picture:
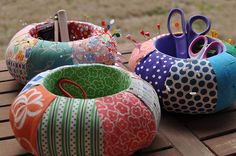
column 142, row 32
column 214, row 33
column 145, row 34
column 103, row 23
column 128, row 37
column 105, row 30
column 112, row 21
column 116, row 33
column 158, row 26
column 230, row 41
column 107, row 25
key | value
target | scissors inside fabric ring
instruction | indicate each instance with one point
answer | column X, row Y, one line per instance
column 199, row 48
column 183, row 40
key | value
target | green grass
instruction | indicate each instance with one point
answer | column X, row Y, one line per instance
column 130, row 15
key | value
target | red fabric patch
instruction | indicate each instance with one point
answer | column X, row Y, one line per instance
column 128, row 125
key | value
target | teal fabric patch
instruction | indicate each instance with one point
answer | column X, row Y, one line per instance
column 47, row 55
column 224, row 66
column 230, row 49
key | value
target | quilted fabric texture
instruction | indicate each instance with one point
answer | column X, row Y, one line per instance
column 29, row 52
column 120, row 116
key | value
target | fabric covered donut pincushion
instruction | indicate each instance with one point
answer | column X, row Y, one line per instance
column 192, row 73
column 112, row 112
column 192, row 86
column 32, row 50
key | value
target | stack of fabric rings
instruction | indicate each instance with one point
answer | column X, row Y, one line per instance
column 103, row 110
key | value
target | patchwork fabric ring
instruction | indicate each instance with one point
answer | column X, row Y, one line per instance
column 191, row 86
column 111, row 112
column 140, row 52
column 33, row 50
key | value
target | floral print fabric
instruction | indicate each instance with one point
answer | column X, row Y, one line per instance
column 127, row 124
column 26, row 113
column 28, row 54
column 118, row 123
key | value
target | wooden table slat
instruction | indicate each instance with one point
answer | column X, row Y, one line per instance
column 213, row 125
column 160, row 142
column 181, row 138
column 5, row 76
column 7, row 98
column 3, row 66
column 5, row 130
column 223, row 145
column 167, row 152
column 10, row 86
column 10, row 147
column 4, row 113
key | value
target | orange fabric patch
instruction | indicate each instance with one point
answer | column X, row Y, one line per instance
column 26, row 113
column 138, row 54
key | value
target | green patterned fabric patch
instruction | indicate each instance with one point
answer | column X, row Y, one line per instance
column 70, row 127
column 48, row 55
column 96, row 80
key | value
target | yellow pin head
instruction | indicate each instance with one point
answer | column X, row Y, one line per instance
column 230, row 41
column 214, row 33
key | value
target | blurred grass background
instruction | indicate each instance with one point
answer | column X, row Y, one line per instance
column 130, row 15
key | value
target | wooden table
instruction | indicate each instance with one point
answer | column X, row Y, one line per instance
column 203, row 135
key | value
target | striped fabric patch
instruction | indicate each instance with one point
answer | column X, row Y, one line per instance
column 70, row 127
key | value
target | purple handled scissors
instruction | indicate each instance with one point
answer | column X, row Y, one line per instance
column 182, row 41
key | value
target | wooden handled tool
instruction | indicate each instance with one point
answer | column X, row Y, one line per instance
column 56, row 29
column 63, row 27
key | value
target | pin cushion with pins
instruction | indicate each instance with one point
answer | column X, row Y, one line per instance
column 192, row 73
column 47, row 45
column 87, row 109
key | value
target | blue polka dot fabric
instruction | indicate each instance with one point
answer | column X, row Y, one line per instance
column 184, row 86
column 154, row 68
column 190, row 87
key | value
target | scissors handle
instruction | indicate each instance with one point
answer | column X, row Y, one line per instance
column 191, row 34
column 171, row 13
column 213, row 48
column 197, row 47
column 180, row 39
column 200, row 49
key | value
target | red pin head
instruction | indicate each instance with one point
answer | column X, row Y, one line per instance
column 103, row 23
column 128, row 37
column 142, row 32
column 158, row 26
column 147, row 34
column 105, row 30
